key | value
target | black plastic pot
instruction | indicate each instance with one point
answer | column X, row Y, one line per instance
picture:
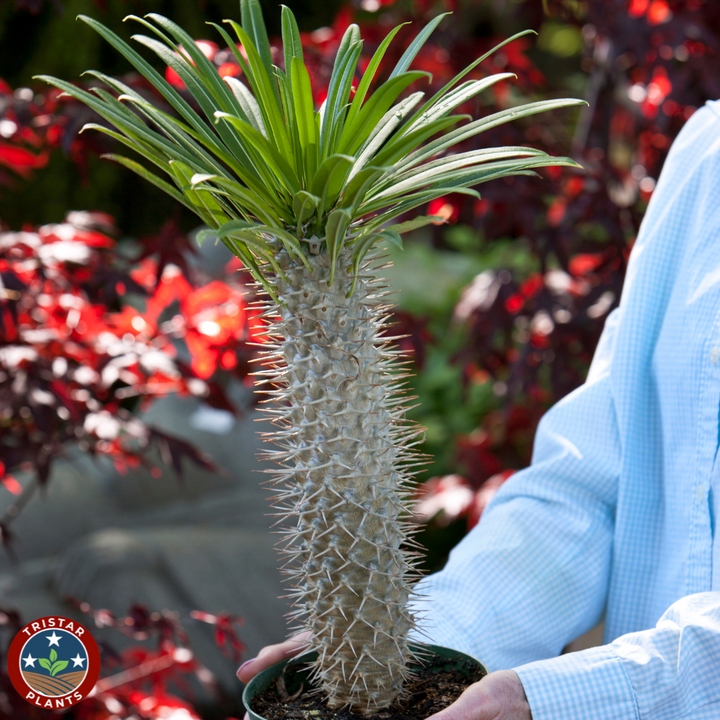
column 455, row 660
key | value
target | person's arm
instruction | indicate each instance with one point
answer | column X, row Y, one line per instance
column 554, row 521
column 670, row 672
column 533, row 574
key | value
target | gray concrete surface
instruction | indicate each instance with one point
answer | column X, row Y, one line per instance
column 199, row 544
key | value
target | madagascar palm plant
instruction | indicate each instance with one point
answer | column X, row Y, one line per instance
column 306, row 198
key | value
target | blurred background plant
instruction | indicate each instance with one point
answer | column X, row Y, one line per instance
column 155, row 677
column 105, row 310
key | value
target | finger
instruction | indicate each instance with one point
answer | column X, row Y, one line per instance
column 272, row 654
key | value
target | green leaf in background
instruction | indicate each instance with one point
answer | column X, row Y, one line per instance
column 45, row 663
column 53, row 655
column 560, row 39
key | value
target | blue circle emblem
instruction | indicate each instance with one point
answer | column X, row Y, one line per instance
column 53, row 662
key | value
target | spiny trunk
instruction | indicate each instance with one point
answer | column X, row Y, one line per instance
column 343, row 452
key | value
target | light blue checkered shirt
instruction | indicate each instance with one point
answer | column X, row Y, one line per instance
column 615, row 516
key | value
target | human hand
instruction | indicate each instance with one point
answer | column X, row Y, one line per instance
column 498, row 696
column 270, row 655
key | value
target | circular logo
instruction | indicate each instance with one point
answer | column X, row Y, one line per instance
column 53, row 662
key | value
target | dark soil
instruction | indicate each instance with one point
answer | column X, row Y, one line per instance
column 434, row 687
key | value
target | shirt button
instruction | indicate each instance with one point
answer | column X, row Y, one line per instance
column 715, row 355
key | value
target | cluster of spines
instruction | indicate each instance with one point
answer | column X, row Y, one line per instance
column 344, row 451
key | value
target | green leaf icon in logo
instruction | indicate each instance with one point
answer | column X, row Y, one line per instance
column 53, row 665
column 58, row 666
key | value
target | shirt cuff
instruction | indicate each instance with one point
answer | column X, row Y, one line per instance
column 589, row 683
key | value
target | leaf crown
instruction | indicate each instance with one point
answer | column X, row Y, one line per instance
column 266, row 172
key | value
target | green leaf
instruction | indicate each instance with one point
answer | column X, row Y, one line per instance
column 329, row 179
column 338, row 222
column 127, row 121
column 292, row 45
column 238, row 249
column 204, row 96
column 234, row 226
column 440, row 93
column 486, row 123
column 248, row 103
column 175, row 129
column 257, row 245
column 145, row 69
column 289, row 242
column 399, row 146
column 342, row 58
column 454, row 99
column 208, row 89
column 339, row 87
column 473, row 176
column 415, row 223
column 392, row 236
column 44, row 662
column 248, row 238
column 356, row 188
column 275, row 160
column 384, row 129
column 56, row 667
column 134, row 143
column 270, row 212
column 205, row 70
column 369, row 74
column 359, row 251
column 355, row 134
column 122, row 118
column 254, row 25
column 409, row 55
column 304, row 114
column 304, row 206
column 53, row 655
column 204, row 204
column 151, row 145
column 150, row 177
column 249, row 233
column 397, row 207
column 266, row 92
column 288, row 106
column 204, row 235
column 399, row 183
column 441, row 176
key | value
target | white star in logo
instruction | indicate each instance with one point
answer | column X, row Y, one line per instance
column 29, row 661
column 54, row 639
column 78, row 660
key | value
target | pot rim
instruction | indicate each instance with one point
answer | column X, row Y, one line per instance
column 263, row 679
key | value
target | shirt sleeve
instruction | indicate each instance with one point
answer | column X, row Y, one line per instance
column 533, row 574
column 667, row 673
